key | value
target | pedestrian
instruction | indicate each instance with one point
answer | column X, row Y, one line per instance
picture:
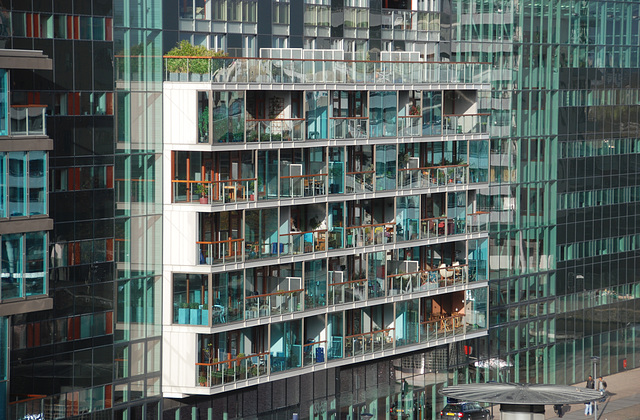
column 602, row 387
column 588, row 407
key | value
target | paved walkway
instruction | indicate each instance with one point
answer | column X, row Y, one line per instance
column 623, row 401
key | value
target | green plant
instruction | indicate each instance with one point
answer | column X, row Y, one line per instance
column 203, row 122
column 202, row 380
column 194, row 305
column 184, row 305
column 200, row 189
column 183, row 64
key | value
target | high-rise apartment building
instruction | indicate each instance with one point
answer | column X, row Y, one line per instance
column 359, row 203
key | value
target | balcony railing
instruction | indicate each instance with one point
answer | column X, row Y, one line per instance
column 438, row 227
column 218, row 192
column 275, row 130
column 268, row 70
column 478, row 222
column 232, row 370
column 314, row 353
column 27, row 120
column 369, row 342
column 374, row 234
column 348, row 127
column 220, row 252
column 303, row 185
column 466, row 124
column 276, row 303
column 359, row 182
column 442, row 327
column 410, row 126
column 347, row 291
column 428, row 177
column 303, row 242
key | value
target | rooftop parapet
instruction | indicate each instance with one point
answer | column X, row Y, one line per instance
column 305, row 71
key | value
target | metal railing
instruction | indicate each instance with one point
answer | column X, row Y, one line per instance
column 269, row 70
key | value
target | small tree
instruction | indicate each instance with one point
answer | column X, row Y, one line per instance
column 191, row 65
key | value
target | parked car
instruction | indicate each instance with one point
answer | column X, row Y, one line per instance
column 465, row 410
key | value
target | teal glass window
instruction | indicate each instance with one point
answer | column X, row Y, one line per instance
column 190, row 299
column 317, row 113
column 37, row 182
column 17, row 201
column 3, row 183
column 4, row 104
column 35, row 264
column 11, row 267
column 383, row 114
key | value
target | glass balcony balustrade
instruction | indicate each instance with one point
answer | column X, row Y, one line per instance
column 359, row 182
column 373, row 234
column 478, row 222
column 429, row 177
column 291, row 129
column 263, row 70
column 220, row 252
column 369, row 342
column 213, row 372
column 439, row 227
column 303, row 185
column 348, row 127
column 466, row 124
column 231, row 370
column 410, row 126
column 279, row 302
column 27, row 120
column 295, row 243
column 214, row 192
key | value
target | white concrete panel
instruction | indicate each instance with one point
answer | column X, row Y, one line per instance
column 180, row 114
column 179, row 230
column 178, row 359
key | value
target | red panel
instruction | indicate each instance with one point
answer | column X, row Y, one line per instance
column 109, row 249
column 77, row 103
column 108, row 29
column 109, row 176
column 109, row 103
column 29, row 335
column 109, row 326
column 36, row 26
column 29, row 25
column 36, row 334
column 70, row 103
column 107, row 396
column 69, row 27
column 76, row 327
column 76, row 27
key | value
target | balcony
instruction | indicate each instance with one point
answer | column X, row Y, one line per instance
column 429, row 177
column 373, row 234
column 231, row 370
column 303, row 185
column 466, row 124
column 279, row 302
column 291, row 129
column 27, row 120
column 214, row 192
column 295, row 243
column 348, row 127
column 288, row 71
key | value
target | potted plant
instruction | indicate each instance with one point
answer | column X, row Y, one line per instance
column 203, row 125
column 183, row 66
column 201, row 190
column 183, row 313
column 195, row 314
column 202, row 380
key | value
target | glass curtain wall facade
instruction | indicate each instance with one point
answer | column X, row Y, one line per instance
column 563, row 249
column 97, row 352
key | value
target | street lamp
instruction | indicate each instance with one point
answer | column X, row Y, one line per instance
column 595, row 360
